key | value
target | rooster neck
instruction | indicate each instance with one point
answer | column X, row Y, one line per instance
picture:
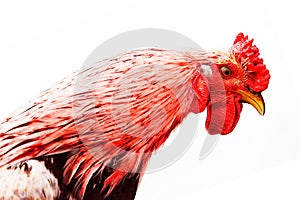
column 116, row 113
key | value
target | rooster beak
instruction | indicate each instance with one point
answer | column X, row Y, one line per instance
column 255, row 99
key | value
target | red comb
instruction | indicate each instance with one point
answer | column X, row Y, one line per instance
column 248, row 55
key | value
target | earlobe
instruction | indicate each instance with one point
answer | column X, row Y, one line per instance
column 201, row 89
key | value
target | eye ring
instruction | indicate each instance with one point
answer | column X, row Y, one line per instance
column 226, row 71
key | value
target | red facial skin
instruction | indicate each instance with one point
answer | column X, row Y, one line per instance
column 225, row 106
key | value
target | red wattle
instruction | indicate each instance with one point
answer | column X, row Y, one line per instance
column 222, row 117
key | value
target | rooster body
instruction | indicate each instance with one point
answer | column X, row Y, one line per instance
column 98, row 127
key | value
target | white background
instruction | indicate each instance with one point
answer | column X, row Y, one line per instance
column 40, row 43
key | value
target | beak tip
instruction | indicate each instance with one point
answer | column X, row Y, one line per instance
column 260, row 108
column 263, row 110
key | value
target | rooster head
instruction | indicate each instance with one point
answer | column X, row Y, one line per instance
column 234, row 77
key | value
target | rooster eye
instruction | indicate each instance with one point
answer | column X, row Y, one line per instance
column 226, row 71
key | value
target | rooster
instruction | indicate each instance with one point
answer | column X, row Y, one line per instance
column 92, row 135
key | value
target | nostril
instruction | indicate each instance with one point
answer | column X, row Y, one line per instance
column 250, row 90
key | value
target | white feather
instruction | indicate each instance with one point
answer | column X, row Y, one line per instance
column 28, row 180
